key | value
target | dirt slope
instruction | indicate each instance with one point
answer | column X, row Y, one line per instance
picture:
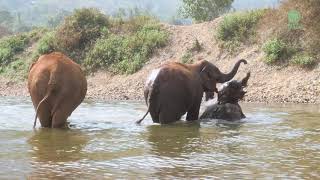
column 267, row 83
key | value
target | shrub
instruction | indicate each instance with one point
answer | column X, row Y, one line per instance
column 82, row 27
column 9, row 46
column 303, row 59
column 187, row 57
column 274, row 49
column 126, row 53
column 46, row 44
column 16, row 70
column 239, row 26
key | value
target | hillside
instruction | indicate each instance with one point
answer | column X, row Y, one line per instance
column 267, row 83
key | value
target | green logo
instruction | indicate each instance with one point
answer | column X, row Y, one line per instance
column 294, row 18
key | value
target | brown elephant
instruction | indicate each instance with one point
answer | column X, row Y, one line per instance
column 175, row 88
column 57, row 86
column 227, row 106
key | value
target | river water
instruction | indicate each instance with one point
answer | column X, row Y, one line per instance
column 274, row 141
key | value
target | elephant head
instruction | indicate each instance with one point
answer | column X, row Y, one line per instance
column 211, row 75
column 233, row 91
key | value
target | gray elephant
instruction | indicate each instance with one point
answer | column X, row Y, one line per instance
column 175, row 89
column 227, row 106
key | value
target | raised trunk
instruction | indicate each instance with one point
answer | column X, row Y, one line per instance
column 245, row 80
column 227, row 77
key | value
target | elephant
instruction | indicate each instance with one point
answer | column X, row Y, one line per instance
column 175, row 89
column 227, row 106
column 57, row 86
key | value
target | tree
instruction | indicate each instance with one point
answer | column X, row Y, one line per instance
column 204, row 10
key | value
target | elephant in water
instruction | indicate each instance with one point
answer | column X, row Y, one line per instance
column 175, row 89
column 57, row 86
column 227, row 107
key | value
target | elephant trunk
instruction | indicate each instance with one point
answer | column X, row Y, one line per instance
column 244, row 81
column 227, row 77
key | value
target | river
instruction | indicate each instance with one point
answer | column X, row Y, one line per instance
column 273, row 142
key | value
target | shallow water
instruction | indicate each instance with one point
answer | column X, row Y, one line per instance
column 274, row 141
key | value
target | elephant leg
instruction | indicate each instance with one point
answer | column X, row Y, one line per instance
column 59, row 118
column 44, row 116
column 193, row 113
column 155, row 116
column 167, row 116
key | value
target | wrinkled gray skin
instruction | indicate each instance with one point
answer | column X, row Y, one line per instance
column 227, row 107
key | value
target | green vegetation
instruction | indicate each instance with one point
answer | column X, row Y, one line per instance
column 120, row 45
column 127, row 53
column 238, row 28
column 204, row 10
column 303, row 59
column 187, row 57
column 10, row 46
column 82, row 27
column 275, row 50
column 294, row 33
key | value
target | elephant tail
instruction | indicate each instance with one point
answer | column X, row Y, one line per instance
column 48, row 93
column 154, row 89
column 148, row 104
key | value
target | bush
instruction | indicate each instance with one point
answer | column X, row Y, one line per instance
column 303, row 59
column 46, row 44
column 16, row 70
column 9, row 46
column 239, row 26
column 187, row 57
column 126, row 53
column 274, row 49
column 82, row 27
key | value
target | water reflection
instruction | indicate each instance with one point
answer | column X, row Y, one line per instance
column 52, row 149
column 274, row 141
column 172, row 140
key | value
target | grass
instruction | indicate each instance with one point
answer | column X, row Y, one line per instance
column 238, row 28
column 303, row 59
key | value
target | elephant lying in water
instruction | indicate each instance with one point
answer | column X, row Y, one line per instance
column 57, row 86
column 175, row 89
column 227, row 107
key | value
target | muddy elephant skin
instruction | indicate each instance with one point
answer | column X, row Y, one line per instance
column 175, row 89
column 227, row 107
column 57, row 86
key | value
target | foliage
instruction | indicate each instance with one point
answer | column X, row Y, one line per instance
column 47, row 43
column 9, row 46
column 81, row 28
column 16, row 70
column 274, row 49
column 303, row 59
column 239, row 26
column 91, row 39
column 126, row 53
column 187, row 57
column 204, row 10
column 300, row 33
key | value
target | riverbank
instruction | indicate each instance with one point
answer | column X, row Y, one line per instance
column 268, row 84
